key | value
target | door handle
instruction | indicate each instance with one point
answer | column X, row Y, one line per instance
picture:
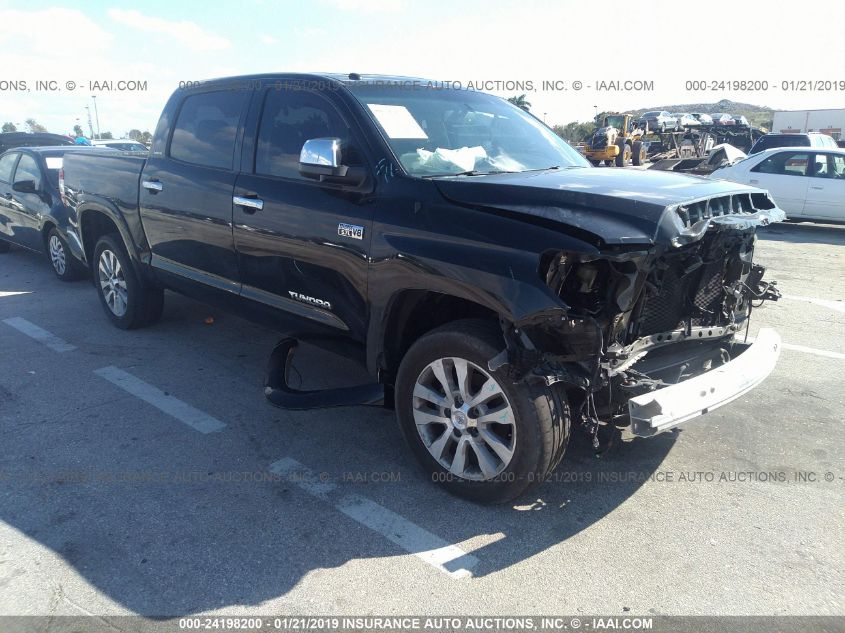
column 250, row 202
column 753, row 181
column 814, row 187
column 152, row 185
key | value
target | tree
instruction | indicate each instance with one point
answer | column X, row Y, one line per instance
column 146, row 138
column 77, row 129
column 8, row 126
column 575, row 132
column 521, row 102
column 34, row 126
column 134, row 134
column 106, row 136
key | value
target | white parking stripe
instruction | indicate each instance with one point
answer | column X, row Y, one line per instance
column 812, row 350
column 9, row 293
column 415, row 540
column 806, row 350
column 41, row 335
column 182, row 411
column 839, row 306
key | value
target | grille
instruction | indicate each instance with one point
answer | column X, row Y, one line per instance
column 737, row 204
column 679, row 296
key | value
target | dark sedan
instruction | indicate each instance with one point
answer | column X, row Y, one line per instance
column 32, row 213
column 9, row 140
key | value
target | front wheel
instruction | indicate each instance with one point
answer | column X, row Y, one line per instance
column 128, row 303
column 474, row 431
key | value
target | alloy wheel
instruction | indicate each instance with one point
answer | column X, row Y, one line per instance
column 464, row 419
column 113, row 283
column 57, row 255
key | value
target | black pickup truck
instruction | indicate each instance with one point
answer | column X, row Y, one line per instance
column 498, row 288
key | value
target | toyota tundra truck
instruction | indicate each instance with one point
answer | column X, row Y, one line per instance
column 498, row 288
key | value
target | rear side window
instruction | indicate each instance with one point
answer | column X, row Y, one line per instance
column 28, row 170
column 7, row 162
column 785, row 164
column 206, row 128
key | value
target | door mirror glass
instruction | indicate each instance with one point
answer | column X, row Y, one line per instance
column 25, row 186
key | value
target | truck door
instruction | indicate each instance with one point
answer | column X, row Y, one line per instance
column 302, row 245
column 186, row 194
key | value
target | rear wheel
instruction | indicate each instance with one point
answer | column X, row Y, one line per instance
column 128, row 303
column 474, row 431
column 64, row 264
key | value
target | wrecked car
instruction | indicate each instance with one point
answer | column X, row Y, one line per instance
column 499, row 289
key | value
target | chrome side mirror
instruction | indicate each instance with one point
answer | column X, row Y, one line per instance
column 323, row 152
column 320, row 159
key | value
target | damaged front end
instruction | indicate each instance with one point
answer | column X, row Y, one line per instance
column 645, row 338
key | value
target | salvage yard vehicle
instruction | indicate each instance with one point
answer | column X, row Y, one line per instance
column 618, row 140
column 497, row 287
column 32, row 212
column 9, row 140
column 812, row 139
column 807, row 183
column 658, row 121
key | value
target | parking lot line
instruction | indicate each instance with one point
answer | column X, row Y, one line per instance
column 150, row 394
column 14, row 293
column 813, row 350
column 39, row 334
column 415, row 540
column 839, row 306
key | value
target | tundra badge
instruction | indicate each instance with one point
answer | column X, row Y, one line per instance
column 350, row 230
column 320, row 303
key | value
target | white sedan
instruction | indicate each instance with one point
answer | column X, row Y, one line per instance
column 807, row 183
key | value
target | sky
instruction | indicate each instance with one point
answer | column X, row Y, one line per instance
column 485, row 43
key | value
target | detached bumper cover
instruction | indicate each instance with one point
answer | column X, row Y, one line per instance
column 666, row 408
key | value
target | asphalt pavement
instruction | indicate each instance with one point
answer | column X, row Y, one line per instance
column 144, row 473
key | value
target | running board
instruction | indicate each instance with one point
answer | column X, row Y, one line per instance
column 279, row 392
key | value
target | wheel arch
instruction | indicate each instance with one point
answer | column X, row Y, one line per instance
column 413, row 313
column 97, row 220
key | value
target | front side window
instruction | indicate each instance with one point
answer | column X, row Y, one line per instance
column 206, row 129
column 436, row 132
column 785, row 164
column 288, row 120
column 7, row 163
column 28, row 170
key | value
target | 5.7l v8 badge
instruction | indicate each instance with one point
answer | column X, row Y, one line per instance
column 350, row 230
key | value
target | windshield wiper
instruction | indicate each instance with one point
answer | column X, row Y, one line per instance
column 471, row 172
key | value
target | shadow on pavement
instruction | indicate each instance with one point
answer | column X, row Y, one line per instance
column 163, row 520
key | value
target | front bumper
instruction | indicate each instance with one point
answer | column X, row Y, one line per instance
column 665, row 408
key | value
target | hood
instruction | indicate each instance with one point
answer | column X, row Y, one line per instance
column 618, row 206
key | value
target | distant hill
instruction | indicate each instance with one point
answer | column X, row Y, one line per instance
column 760, row 116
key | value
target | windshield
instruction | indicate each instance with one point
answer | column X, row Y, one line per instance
column 437, row 132
column 616, row 121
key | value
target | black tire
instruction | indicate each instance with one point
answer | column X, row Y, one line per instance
column 594, row 163
column 541, row 419
column 4, row 246
column 143, row 303
column 637, row 153
column 65, row 266
column 622, row 157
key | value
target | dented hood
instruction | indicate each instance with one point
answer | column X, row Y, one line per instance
column 619, row 206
